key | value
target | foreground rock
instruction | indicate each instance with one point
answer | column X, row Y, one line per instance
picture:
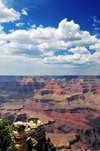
column 27, row 135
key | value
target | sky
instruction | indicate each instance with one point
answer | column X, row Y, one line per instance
column 49, row 37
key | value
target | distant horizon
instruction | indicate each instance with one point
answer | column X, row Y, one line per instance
column 44, row 75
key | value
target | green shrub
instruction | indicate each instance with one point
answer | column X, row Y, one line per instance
column 6, row 143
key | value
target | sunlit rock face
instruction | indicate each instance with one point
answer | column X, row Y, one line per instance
column 28, row 134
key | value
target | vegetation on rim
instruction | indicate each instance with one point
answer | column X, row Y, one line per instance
column 6, row 143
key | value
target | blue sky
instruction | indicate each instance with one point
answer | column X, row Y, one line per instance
column 50, row 37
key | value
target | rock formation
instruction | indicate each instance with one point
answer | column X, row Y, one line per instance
column 53, row 88
column 27, row 135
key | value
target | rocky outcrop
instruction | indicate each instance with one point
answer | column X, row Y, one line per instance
column 28, row 134
column 20, row 136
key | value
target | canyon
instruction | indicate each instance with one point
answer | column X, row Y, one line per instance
column 68, row 106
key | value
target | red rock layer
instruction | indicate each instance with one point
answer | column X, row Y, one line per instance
column 53, row 88
column 97, row 91
column 76, row 88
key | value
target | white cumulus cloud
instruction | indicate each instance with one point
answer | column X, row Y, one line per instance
column 43, row 43
column 76, row 59
column 7, row 15
column 79, row 50
column 96, row 46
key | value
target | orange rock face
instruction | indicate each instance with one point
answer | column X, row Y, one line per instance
column 76, row 88
column 53, row 88
column 97, row 91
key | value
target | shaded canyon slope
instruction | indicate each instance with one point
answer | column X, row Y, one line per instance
column 69, row 106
